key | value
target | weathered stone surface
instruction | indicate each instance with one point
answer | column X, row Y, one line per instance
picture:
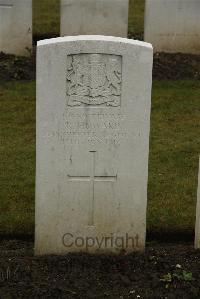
column 16, row 26
column 93, row 121
column 197, row 227
column 173, row 25
column 104, row 17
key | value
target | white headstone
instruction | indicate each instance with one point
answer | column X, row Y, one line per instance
column 173, row 25
column 105, row 17
column 197, row 227
column 93, row 121
column 16, row 26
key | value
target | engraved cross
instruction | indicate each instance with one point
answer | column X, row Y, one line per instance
column 92, row 178
column 8, row 4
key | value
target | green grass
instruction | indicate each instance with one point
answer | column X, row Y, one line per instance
column 17, row 151
column 175, row 146
column 136, row 16
column 46, row 17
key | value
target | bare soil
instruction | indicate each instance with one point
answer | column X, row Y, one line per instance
column 167, row 271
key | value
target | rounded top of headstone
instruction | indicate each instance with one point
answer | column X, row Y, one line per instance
column 94, row 38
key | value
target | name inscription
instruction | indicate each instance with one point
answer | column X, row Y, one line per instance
column 94, row 128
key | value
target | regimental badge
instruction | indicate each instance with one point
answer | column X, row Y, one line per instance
column 94, row 79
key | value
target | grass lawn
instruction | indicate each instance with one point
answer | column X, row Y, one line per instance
column 175, row 145
column 17, row 151
column 46, row 17
column 136, row 16
column 174, row 150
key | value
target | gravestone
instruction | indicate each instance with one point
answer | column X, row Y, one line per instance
column 197, row 226
column 104, row 17
column 16, row 27
column 173, row 25
column 93, row 120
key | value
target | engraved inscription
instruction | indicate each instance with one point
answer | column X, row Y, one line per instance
column 94, row 128
column 94, row 79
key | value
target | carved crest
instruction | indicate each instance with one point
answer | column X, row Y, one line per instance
column 94, row 79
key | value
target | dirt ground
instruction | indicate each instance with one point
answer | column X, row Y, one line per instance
column 167, row 271
column 166, row 66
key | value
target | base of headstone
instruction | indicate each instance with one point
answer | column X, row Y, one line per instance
column 16, row 27
column 84, row 17
column 172, row 26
